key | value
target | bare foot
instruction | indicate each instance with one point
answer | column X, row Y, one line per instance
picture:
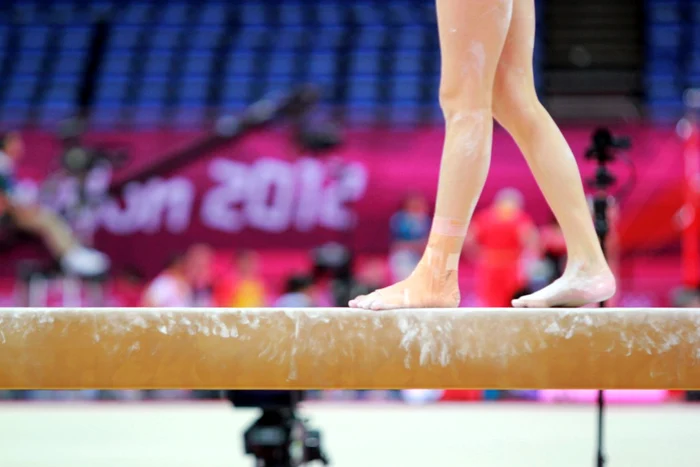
column 578, row 286
column 423, row 289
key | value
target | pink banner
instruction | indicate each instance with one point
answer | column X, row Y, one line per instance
column 261, row 193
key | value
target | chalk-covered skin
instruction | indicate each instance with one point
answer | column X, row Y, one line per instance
column 487, row 73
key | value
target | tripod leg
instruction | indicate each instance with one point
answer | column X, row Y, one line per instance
column 601, row 408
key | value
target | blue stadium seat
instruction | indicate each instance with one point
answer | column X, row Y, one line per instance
column 693, row 80
column 207, row 37
column 193, row 91
column 362, row 90
column 4, row 39
column 251, row 37
column 695, row 12
column 70, row 63
column 240, row 63
column 100, row 8
column 111, row 91
column 25, row 12
column 282, row 64
column 329, row 13
column 434, row 88
column 405, row 90
column 276, row 84
column 30, row 63
column 53, row 111
column 237, row 89
column 371, row 37
column 34, row 37
column 662, row 66
column 62, row 91
column 408, row 63
column 326, row 39
column 21, row 88
column 159, row 63
column 411, row 37
column 61, row 12
column 694, row 62
column 662, row 36
column 166, row 37
column 695, row 36
column 365, row 63
column 662, row 87
column 428, row 14
column 173, row 13
column 663, row 11
column 116, row 63
column 125, row 37
column 135, row 13
column 253, row 14
column 289, row 38
column 366, row 13
column 291, row 14
column 198, row 63
column 76, row 37
column 402, row 12
column 321, row 64
column 153, row 91
column 213, row 13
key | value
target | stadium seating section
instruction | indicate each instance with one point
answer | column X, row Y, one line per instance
column 183, row 62
column 673, row 55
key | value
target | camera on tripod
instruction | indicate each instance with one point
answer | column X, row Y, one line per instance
column 604, row 149
column 78, row 159
column 279, row 437
column 605, row 146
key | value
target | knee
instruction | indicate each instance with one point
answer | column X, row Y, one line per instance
column 515, row 102
column 458, row 96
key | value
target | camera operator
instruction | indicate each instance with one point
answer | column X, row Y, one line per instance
column 58, row 237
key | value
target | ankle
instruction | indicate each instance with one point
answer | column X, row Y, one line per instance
column 587, row 267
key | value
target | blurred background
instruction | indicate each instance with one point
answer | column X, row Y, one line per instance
column 285, row 153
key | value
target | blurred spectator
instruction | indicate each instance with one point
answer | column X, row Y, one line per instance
column 33, row 218
column 298, row 293
column 542, row 271
column 127, row 288
column 410, row 227
column 245, row 288
column 685, row 298
column 170, row 288
column 503, row 238
column 200, row 259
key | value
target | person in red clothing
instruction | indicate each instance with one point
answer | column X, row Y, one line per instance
column 502, row 237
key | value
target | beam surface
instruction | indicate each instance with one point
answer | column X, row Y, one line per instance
column 325, row 348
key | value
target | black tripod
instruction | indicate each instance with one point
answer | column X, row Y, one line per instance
column 603, row 151
column 601, row 201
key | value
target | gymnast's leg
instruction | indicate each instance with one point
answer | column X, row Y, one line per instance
column 587, row 278
column 472, row 34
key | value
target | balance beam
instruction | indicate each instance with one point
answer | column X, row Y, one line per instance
column 332, row 348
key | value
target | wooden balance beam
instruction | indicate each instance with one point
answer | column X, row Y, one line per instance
column 333, row 348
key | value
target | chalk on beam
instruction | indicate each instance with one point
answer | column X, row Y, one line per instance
column 333, row 348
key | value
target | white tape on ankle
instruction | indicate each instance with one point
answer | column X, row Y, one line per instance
column 452, row 262
column 450, row 227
